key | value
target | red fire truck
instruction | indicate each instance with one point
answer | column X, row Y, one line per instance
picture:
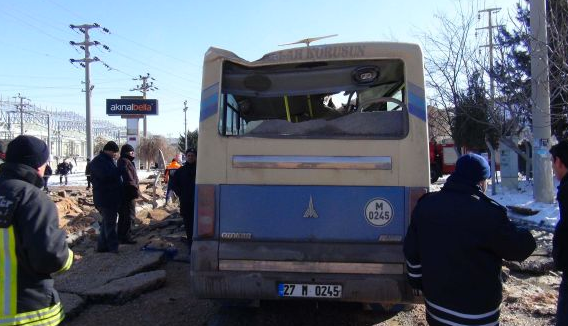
column 443, row 159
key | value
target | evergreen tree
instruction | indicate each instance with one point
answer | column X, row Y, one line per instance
column 513, row 67
column 192, row 137
column 471, row 125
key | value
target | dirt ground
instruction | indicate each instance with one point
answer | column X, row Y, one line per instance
column 525, row 304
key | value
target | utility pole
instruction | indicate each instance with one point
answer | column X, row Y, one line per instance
column 540, row 98
column 490, row 28
column 185, row 124
column 85, row 63
column 145, row 87
column 20, row 108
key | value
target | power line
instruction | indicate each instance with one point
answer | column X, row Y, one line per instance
column 157, row 51
column 32, row 26
column 156, row 68
column 44, row 22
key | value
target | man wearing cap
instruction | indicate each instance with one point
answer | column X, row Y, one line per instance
column 32, row 247
column 107, row 195
column 455, row 245
column 559, row 157
column 183, row 184
column 130, row 192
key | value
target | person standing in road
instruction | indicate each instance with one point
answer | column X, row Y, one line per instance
column 63, row 170
column 88, row 173
column 171, row 169
column 183, row 184
column 559, row 159
column 48, row 172
column 107, row 195
column 455, row 246
column 32, row 246
column 130, row 192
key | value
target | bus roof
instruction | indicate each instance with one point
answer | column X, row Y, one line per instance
column 327, row 52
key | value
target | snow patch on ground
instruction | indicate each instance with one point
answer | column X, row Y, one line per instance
column 547, row 215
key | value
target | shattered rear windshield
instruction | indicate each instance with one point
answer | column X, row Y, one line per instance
column 346, row 99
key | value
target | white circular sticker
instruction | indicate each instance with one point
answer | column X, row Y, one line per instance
column 378, row 212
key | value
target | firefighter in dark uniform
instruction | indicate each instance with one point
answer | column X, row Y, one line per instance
column 455, row 246
column 32, row 247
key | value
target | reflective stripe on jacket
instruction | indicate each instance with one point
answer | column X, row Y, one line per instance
column 44, row 317
column 32, row 247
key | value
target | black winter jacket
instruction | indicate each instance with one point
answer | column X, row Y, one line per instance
column 560, row 240
column 107, row 184
column 183, row 184
column 63, row 168
column 454, row 248
column 129, row 176
column 29, row 218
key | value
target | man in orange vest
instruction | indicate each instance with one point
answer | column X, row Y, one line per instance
column 170, row 171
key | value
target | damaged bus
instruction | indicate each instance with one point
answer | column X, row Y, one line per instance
column 310, row 162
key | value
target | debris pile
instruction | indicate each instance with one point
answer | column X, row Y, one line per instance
column 116, row 278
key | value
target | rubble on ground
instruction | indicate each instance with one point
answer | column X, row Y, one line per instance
column 530, row 288
column 115, row 278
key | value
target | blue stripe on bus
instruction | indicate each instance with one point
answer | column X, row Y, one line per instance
column 417, row 101
column 208, row 106
column 277, row 212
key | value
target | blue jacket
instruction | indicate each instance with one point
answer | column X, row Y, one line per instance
column 32, row 247
column 455, row 246
column 107, row 184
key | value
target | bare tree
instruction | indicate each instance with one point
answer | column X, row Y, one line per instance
column 150, row 146
column 449, row 59
column 100, row 142
column 452, row 58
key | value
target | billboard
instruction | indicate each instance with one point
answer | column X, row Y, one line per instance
column 129, row 107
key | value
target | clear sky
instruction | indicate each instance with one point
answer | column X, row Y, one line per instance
column 168, row 39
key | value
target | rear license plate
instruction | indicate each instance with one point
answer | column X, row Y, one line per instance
column 309, row 290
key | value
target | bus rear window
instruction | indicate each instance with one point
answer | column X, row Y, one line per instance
column 354, row 99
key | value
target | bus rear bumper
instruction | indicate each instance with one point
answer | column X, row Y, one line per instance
column 392, row 289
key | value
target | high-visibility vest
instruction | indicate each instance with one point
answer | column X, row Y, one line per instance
column 172, row 166
column 9, row 288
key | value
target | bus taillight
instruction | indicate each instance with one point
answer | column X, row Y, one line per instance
column 205, row 210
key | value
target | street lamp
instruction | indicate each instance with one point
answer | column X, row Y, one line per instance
column 185, row 124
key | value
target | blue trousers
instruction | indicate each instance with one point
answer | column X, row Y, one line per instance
column 562, row 308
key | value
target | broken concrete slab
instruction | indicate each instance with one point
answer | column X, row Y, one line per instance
column 72, row 303
column 537, row 265
column 125, row 289
column 105, row 267
column 159, row 214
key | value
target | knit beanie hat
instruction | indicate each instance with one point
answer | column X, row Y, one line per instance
column 126, row 148
column 111, row 146
column 472, row 168
column 27, row 150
